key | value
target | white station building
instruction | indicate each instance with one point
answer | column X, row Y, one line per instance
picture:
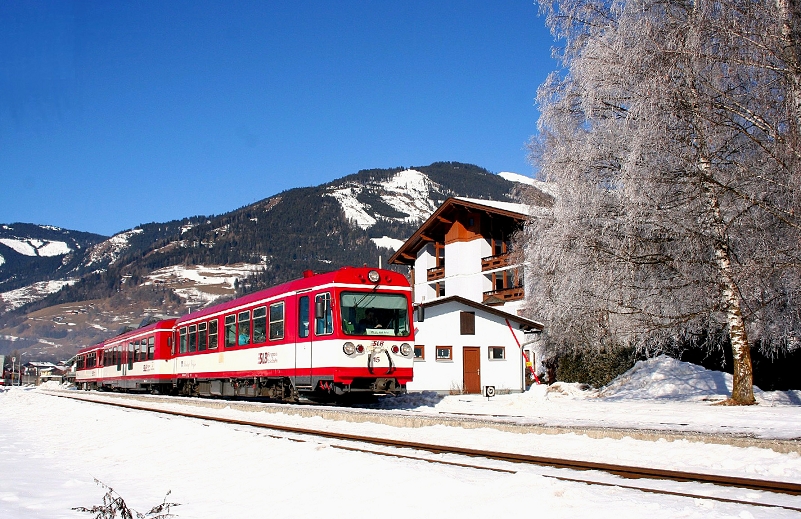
column 469, row 336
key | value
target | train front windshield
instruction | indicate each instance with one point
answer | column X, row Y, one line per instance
column 375, row 314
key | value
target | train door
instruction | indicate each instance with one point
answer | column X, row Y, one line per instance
column 323, row 328
column 303, row 340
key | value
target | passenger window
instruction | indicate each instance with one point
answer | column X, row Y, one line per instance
column 230, row 330
column 213, row 334
column 201, row 337
column 303, row 316
column 323, row 314
column 259, row 325
column 277, row 321
column 151, row 348
column 182, row 340
column 192, row 338
column 244, row 327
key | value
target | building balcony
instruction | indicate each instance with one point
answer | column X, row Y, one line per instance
column 495, row 262
column 435, row 273
column 504, row 295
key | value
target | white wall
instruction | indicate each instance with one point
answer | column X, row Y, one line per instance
column 425, row 260
column 463, row 276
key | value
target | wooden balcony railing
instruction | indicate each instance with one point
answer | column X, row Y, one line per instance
column 435, row 273
column 495, row 262
column 505, row 294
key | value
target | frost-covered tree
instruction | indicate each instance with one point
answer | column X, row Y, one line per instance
column 672, row 133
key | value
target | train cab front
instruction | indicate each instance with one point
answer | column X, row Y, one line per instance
column 376, row 349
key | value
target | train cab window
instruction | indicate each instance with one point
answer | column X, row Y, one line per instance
column 244, row 327
column 230, row 330
column 201, row 337
column 277, row 321
column 151, row 348
column 213, row 334
column 303, row 316
column 323, row 315
column 182, row 340
column 259, row 325
column 192, row 338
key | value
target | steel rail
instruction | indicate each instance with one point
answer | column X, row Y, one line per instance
column 624, row 471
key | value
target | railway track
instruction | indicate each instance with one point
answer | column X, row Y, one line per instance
column 400, row 449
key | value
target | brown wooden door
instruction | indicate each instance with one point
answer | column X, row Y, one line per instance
column 472, row 369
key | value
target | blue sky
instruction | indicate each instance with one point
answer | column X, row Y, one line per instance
column 114, row 114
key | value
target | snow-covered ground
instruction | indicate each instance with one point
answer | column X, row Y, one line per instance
column 51, row 449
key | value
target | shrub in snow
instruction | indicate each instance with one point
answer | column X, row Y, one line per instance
column 114, row 506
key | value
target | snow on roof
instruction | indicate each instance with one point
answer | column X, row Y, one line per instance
column 522, row 209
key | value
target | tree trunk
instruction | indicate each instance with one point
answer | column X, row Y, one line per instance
column 742, row 392
column 790, row 15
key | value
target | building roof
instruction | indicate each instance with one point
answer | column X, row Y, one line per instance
column 525, row 324
column 438, row 222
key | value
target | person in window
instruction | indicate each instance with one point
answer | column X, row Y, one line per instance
column 243, row 338
column 369, row 321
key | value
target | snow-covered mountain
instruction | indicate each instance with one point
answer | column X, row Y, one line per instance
column 32, row 253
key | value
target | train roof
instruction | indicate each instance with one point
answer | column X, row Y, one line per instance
column 353, row 276
column 166, row 324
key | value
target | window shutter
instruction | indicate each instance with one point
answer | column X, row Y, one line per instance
column 467, row 321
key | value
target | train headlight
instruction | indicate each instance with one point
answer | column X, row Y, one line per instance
column 373, row 276
column 360, row 348
column 406, row 349
column 349, row 348
column 395, row 349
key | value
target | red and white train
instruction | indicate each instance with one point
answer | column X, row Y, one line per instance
column 325, row 335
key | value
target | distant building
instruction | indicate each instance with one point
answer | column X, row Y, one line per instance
column 468, row 293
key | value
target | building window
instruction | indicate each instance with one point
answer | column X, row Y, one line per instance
column 419, row 352
column 440, row 289
column 444, row 352
column 497, row 352
column 467, row 323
